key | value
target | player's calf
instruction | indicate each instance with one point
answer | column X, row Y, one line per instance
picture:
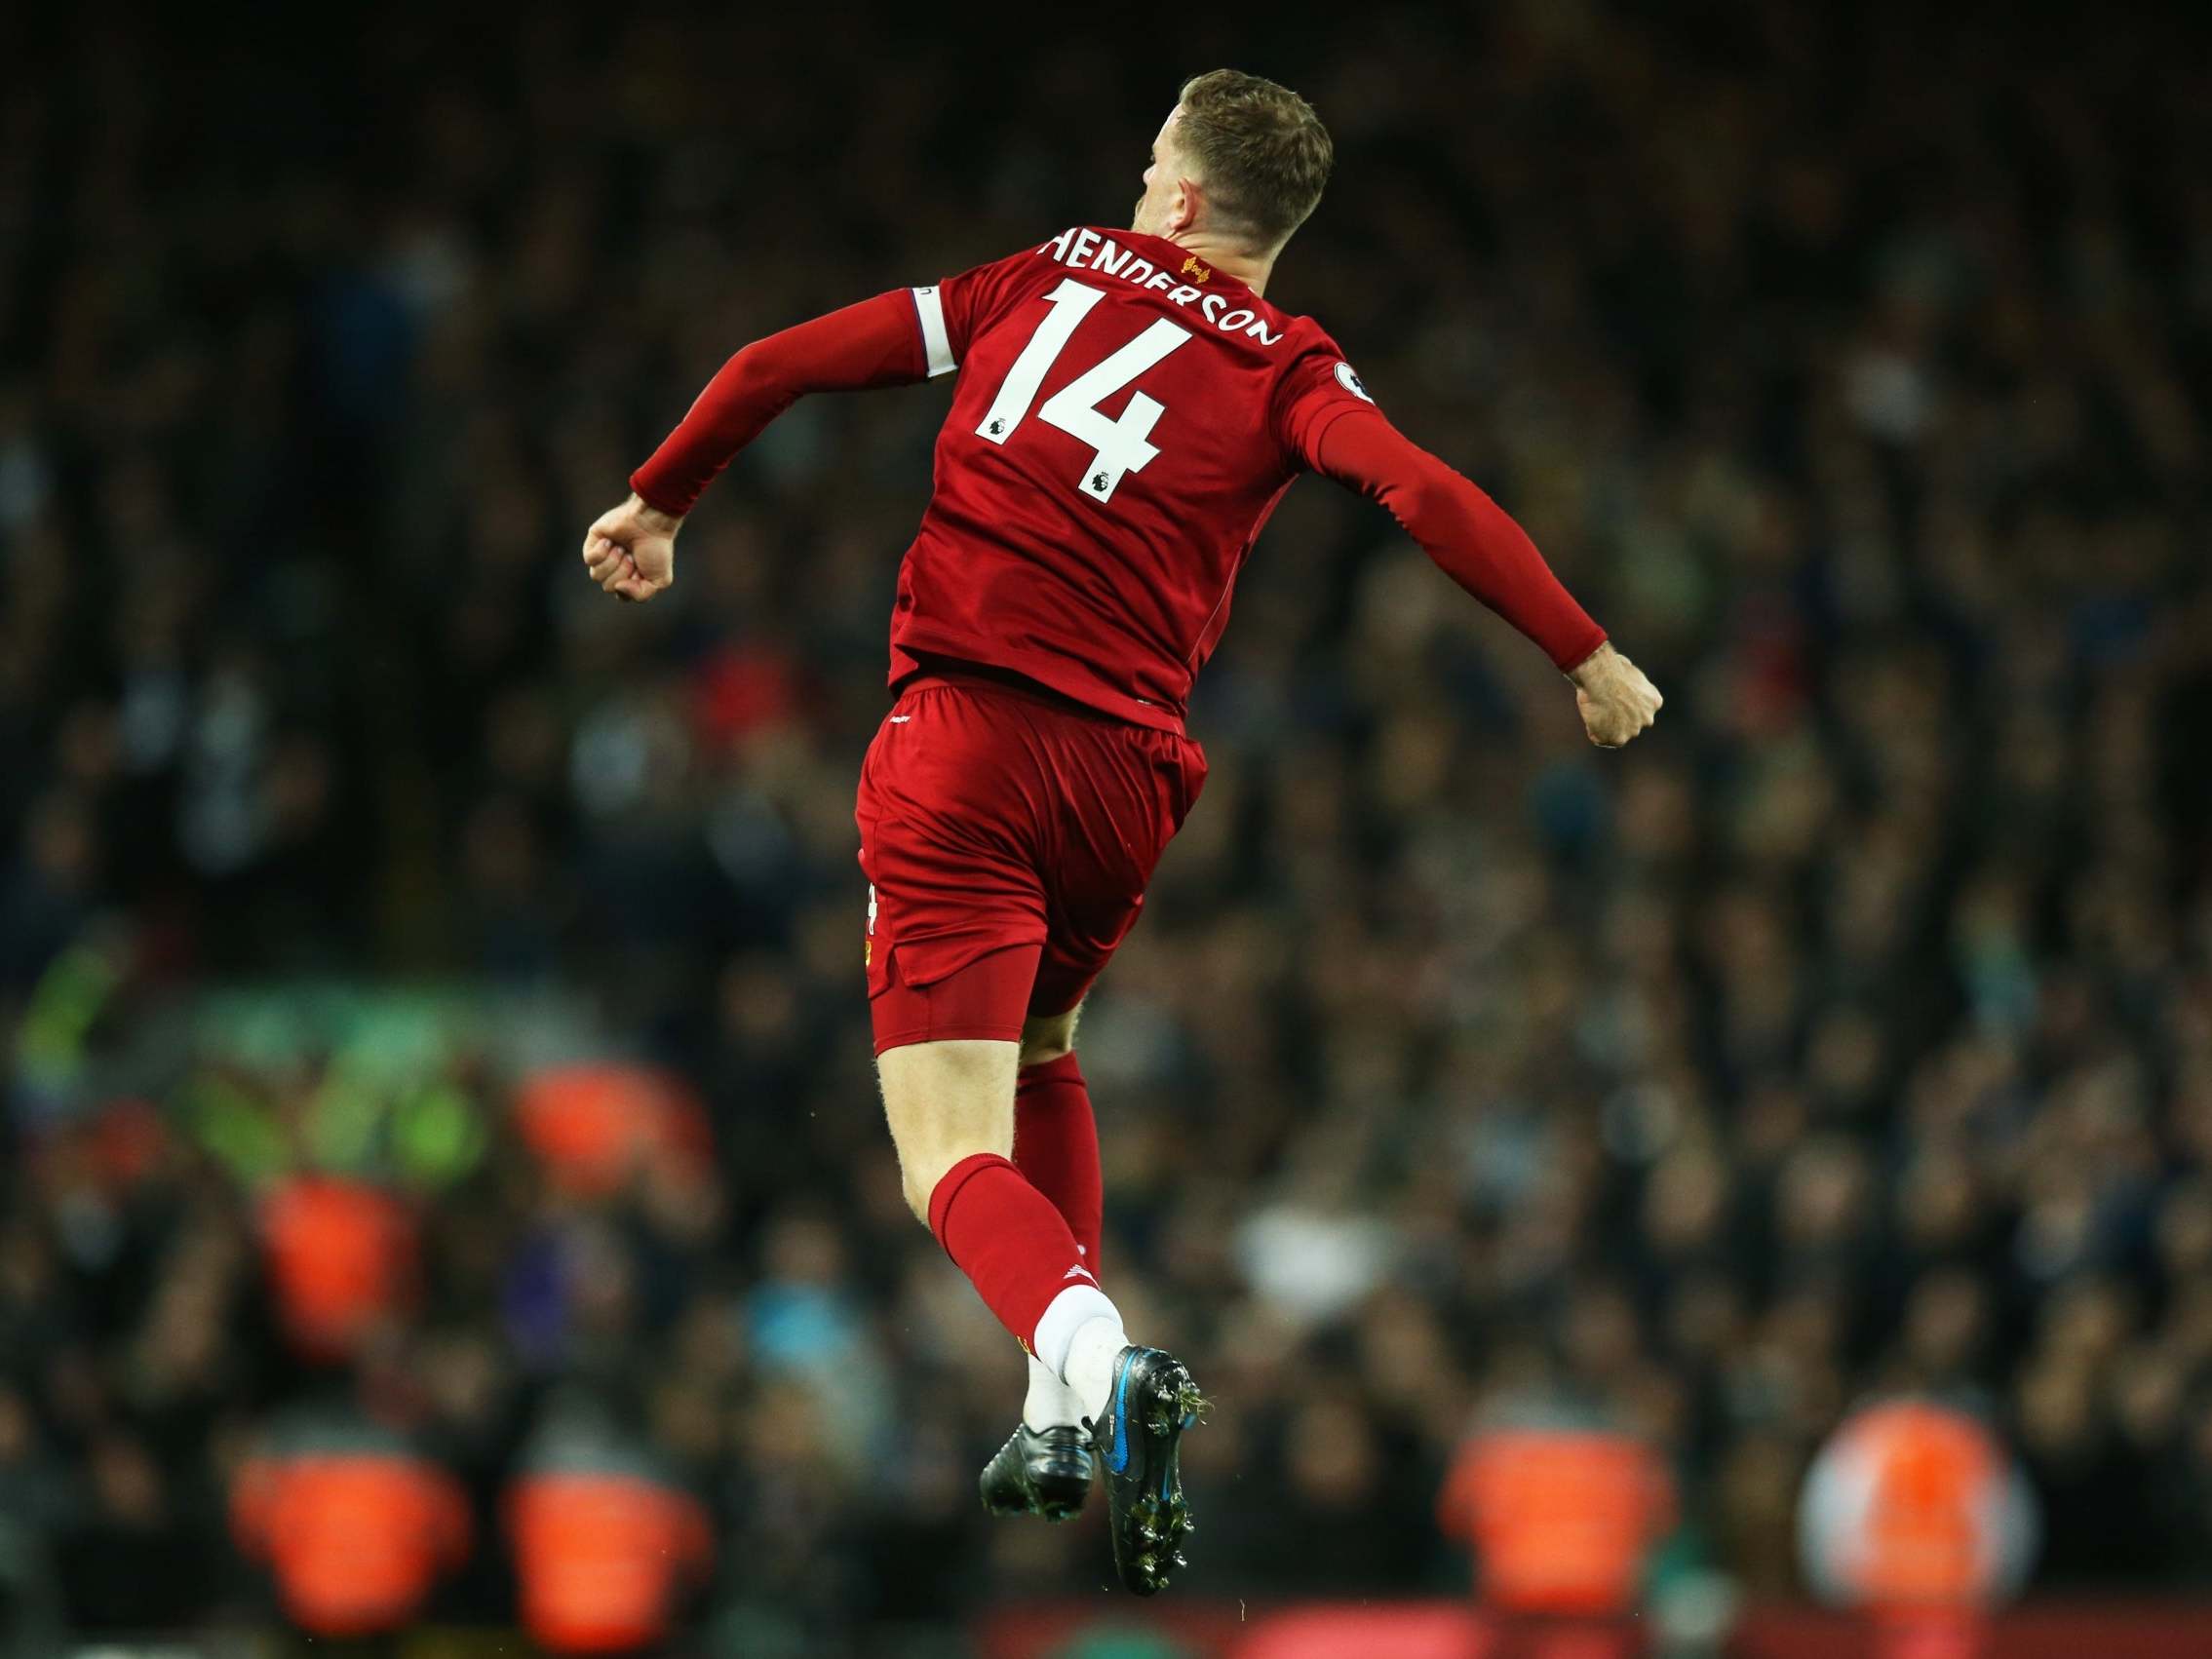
column 950, row 1108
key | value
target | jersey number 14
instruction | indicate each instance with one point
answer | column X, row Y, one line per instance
column 1122, row 443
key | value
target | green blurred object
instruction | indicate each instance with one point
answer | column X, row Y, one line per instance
column 437, row 1134
column 50, row 1046
column 386, row 1104
column 342, row 1120
column 238, row 1130
column 1121, row 1643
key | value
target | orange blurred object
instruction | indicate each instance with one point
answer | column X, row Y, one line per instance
column 1562, row 1519
column 597, row 1126
column 341, row 1255
column 355, row 1533
column 1915, row 1506
column 603, row 1556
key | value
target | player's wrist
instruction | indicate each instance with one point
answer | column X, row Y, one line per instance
column 1595, row 666
column 656, row 519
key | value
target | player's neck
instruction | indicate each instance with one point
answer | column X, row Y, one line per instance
column 1251, row 269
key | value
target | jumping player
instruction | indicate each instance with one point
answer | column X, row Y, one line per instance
column 1127, row 409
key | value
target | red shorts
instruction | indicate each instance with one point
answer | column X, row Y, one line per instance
column 1007, row 836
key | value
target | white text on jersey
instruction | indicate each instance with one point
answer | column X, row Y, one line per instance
column 1081, row 250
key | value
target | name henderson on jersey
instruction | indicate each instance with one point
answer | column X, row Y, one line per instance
column 1086, row 250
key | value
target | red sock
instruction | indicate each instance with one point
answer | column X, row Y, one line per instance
column 1056, row 1146
column 1007, row 1238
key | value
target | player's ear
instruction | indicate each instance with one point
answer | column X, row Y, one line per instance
column 1183, row 211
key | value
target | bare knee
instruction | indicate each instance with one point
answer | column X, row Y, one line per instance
column 945, row 1101
column 1048, row 1036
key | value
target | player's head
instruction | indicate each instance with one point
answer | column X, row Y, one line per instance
column 1240, row 158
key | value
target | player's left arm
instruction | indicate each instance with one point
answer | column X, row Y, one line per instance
column 630, row 550
column 1477, row 544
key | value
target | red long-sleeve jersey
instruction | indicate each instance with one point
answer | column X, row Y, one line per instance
column 1124, row 421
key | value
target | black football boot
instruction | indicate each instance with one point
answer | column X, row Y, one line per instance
column 1043, row 1472
column 1153, row 1401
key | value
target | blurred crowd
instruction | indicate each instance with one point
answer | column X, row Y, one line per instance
column 1851, row 1033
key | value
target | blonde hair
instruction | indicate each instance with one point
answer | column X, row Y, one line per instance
column 1259, row 148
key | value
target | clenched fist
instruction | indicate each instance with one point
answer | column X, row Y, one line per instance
column 630, row 550
column 1615, row 699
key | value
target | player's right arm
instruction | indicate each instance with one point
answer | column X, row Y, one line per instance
column 894, row 340
column 1331, row 425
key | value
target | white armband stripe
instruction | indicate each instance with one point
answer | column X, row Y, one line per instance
column 939, row 347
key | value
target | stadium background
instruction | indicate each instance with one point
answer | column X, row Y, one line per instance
column 1852, row 1032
